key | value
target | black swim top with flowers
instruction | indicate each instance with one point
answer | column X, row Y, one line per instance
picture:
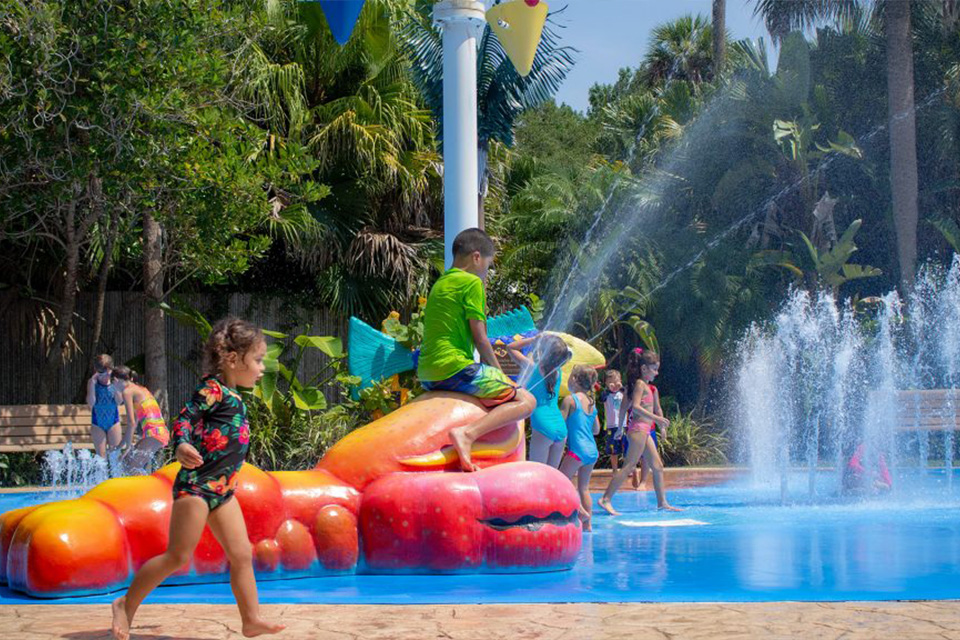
column 214, row 421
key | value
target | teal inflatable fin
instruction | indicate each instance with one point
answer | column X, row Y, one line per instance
column 512, row 323
column 373, row 355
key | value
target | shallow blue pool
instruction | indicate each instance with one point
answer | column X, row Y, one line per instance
column 730, row 544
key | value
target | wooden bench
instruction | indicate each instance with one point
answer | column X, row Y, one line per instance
column 928, row 410
column 39, row 427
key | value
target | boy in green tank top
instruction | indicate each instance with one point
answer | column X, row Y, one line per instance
column 454, row 324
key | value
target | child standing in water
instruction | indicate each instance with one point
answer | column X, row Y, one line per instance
column 143, row 411
column 642, row 410
column 212, row 437
column 103, row 398
column 540, row 374
column 616, row 442
column 580, row 412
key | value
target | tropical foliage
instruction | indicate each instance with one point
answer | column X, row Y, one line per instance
column 199, row 146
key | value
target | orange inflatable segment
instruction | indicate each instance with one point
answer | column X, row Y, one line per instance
column 266, row 556
column 306, row 492
column 8, row 524
column 337, row 539
column 495, row 447
column 142, row 506
column 75, row 546
column 297, row 553
column 168, row 471
column 415, row 430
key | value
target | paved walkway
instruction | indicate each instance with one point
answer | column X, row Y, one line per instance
column 849, row 621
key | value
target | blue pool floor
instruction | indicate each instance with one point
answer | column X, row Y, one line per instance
column 729, row 544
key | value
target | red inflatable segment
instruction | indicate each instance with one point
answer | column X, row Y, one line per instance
column 470, row 522
column 305, row 493
column 262, row 501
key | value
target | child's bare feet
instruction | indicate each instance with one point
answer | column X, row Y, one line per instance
column 258, row 627
column 668, row 507
column 462, row 445
column 121, row 624
column 603, row 502
column 585, row 520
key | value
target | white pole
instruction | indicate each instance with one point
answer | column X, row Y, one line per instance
column 461, row 22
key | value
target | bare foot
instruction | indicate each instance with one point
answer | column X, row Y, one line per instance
column 635, row 480
column 603, row 502
column 121, row 625
column 585, row 520
column 668, row 507
column 258, row 627
column 458, row 437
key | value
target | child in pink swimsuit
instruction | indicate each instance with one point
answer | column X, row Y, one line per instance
column 643, row 405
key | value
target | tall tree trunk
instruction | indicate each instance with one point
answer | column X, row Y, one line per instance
column 75, row 234
column 154, row 330
column 105, row 265
column 483, row 183
column 903, row 136
column 719, row 36
column 65, row 310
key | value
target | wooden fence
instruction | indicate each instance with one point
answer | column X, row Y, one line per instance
column 21, row 364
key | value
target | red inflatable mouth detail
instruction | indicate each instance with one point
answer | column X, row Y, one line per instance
column 532, row 523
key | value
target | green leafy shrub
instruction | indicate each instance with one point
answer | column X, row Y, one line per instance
column 693, row 441
column 21, row 468
column 298, row 442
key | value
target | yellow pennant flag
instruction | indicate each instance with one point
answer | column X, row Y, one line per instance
column 518, row 25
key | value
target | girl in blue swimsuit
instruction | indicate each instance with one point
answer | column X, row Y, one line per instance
column 541, row 377
column 580, row 411
column 103, row 399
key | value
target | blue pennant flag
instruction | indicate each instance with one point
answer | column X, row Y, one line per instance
column 342, row 16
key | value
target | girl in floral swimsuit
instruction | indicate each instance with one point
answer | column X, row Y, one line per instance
column 211, row 437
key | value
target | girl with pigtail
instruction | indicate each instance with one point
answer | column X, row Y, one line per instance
column 580, row 412
column 642, row 412
column 211, row 437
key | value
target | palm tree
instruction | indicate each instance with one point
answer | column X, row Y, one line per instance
column 502, row 93
column 357, row 111
column 783, row 16
column 719, row 32
column 903, row 135
column 680, row 50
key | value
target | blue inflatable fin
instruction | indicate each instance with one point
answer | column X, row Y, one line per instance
column 512, row 323
column 373, row 355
